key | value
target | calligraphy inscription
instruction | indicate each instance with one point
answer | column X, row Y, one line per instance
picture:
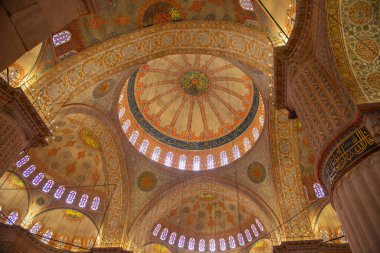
column 346, row 153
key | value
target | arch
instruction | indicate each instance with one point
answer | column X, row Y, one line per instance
column 166, row 200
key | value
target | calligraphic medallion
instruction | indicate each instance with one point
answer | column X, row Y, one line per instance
column 195, row 82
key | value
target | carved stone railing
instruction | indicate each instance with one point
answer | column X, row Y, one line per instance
column 15, row 239
column 312, row 246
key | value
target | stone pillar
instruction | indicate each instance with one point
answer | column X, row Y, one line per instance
column 356, row 199
column 20, row 125
column 12, row 142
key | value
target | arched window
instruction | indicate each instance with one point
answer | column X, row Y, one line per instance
column 210, row 162
column 247, row 144
column 324, row 235
column 59, row 192
column 231, row 240
column 47, row 236
column 134, row 137
column 201, row 245
column 240, row 239
column 164, row 233
column 261, row 120
column 182, row 162
column 156, row 154
column 61, row 38
column 223, row 158
column 196, row 163
column 121, row 112
column 248, row 235
column 156, row 229
column 29, row 171
column 169, row 159
column 83, row 201
column 236, row 152
column 144, row 146
column 181, row 241
column 37, row 179
column 95, row 203
column 12, row 218
column 47, row 187
column 35, row 228
column 254, row 230
column 258, row 222
column 22, row 161
column 126, row 125
column 173, row 235
column 255, row 133
column 191, row 244
column 342, row 235
column 70, row 198
column 246, row 5
column 319, row 193
column 222, row 244
column 212, row 245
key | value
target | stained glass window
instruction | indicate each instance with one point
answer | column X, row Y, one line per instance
column 246, row 5
column 126, row 125
column 12, row 218
column 191, row 244
column 61, row 38
column 47, row 187
column 47, row 236
column 70, row 198
column 240, row 239
column 164, row 233
column 255, row 133
column 212, row 245
column 121, row 112
column 172, row 238
column 248, row 235
column 202, row 245
column 210, row 162
column 156, row 229
column 261, row 120
column 342, row 235
column 156, row 154
column 236, row 152
column 319, row 193
column 95, row 203
column 222, row 244
column 182, row 162
column 29, row 171
column 169, row 159
column 324, row 235
column 22, row 161
column 181, row 241
column 223, row 158
column 35, row 228
column 196, row 163
column 247, row 143
column 83, row 200
column 258, row 222
column 144, row 146
column 59, row 192
column 254, row 230
column 37, row 179
column 231, row 240
column 134, row 137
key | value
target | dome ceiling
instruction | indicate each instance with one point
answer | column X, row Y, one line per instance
column 191, row 105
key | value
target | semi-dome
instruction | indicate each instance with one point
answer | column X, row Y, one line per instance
column 191, row 111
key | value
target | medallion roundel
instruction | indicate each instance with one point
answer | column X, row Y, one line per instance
column 146, row 181
column 256, row 172
column 191, row 111
column 103, row 88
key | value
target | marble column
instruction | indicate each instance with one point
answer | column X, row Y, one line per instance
column 356, row 199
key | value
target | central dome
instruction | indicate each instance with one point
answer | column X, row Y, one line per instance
column 193, row 108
